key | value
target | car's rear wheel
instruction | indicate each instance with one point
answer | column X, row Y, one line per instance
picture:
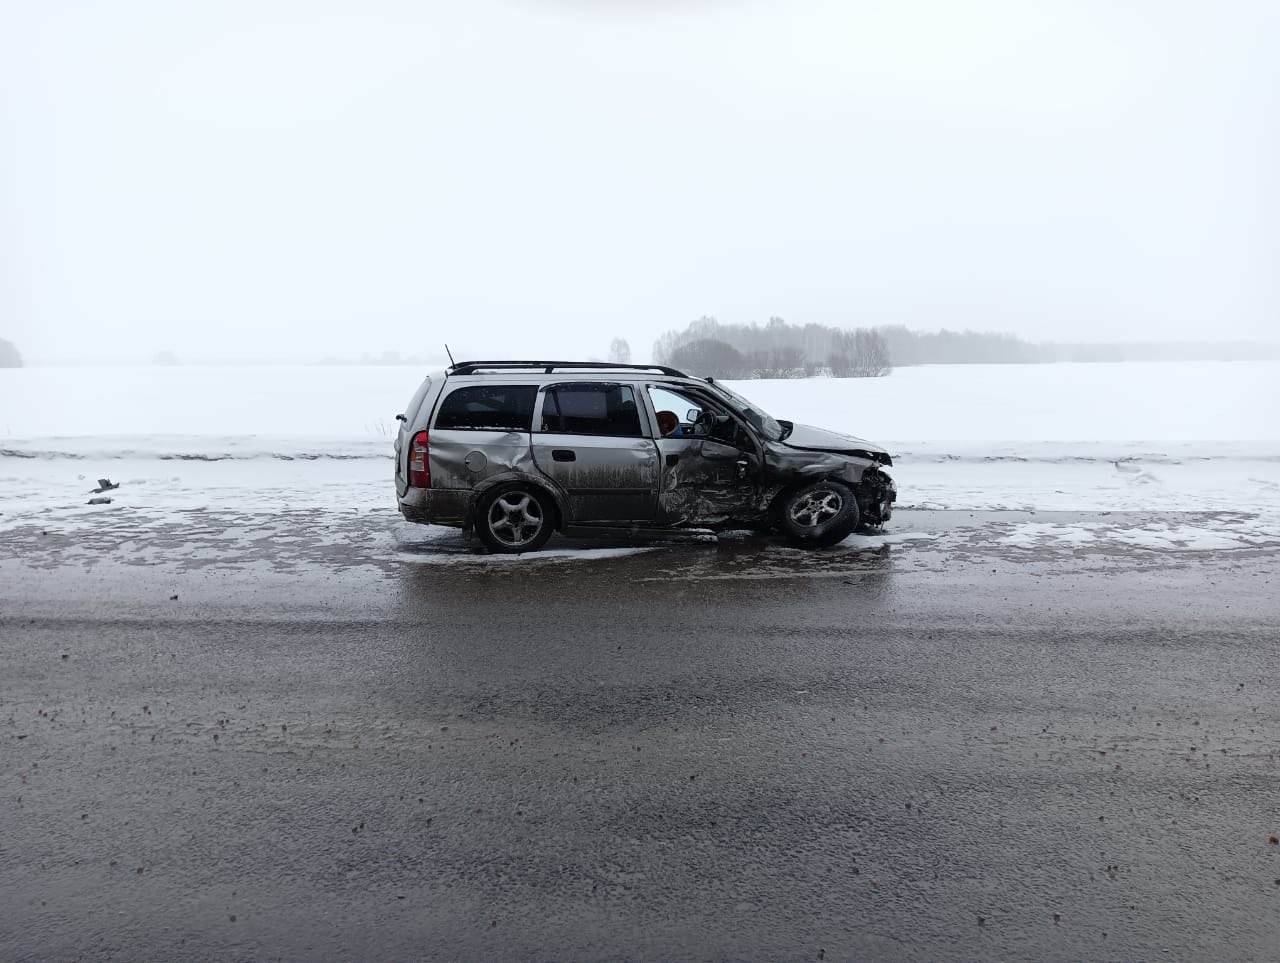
column 818, row 515
column 516, row 518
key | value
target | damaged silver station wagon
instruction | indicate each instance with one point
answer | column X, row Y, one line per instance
column 517, row 450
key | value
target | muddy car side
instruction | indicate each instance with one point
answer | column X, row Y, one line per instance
column 515, row 451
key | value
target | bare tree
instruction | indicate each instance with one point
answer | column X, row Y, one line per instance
column 619, row 351
column 870, row 357
column 705, row 328
column 783, row 362
column 859, row 354
column 710, row 358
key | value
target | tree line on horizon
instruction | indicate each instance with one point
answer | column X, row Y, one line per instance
column 994, row 347
column 780, row 349
column 774, row 350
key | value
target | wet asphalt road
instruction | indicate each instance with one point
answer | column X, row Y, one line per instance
column 921, row 751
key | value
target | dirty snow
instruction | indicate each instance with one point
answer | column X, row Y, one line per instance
column 1155, row 536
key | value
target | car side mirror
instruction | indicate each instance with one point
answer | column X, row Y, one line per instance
column 691, row 415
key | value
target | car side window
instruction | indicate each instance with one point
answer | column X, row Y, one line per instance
column 689, row 415
column 488, row 408
column 591, row 408
column 676, row 413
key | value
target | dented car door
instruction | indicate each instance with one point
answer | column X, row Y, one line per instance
column 705, row 479
column 591, row 439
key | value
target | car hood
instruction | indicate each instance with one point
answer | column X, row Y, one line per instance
column 808, row 438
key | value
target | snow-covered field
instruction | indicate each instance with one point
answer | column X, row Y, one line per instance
column 356, row 406
column 1160, row 437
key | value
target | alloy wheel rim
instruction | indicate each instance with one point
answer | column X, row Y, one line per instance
column 515, row 519
column 816, row 508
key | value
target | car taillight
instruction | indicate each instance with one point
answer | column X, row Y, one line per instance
column 419, row 464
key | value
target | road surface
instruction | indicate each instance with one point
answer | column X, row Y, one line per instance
column 971, row 740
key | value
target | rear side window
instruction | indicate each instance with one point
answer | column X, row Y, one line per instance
column 488, row 408
column 591, row 409
column 411, row 409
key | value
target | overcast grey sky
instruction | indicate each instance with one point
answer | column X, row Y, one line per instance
column 284, row 179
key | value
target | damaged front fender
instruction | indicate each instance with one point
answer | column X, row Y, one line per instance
column 788, row 468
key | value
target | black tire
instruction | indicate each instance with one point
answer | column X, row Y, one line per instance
column 515, row 518
column 818, row 515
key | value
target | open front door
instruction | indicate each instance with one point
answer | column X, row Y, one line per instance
column 705, row 480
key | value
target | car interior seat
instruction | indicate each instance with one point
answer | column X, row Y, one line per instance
column 625, row 419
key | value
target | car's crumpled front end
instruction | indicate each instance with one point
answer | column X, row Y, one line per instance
column 876, row 495
column 808, row 438
column 805, row 452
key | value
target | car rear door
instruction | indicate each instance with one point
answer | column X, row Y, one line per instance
column 594, row 440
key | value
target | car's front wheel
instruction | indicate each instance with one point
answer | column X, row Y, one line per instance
column 517, row 518
column 818, row 515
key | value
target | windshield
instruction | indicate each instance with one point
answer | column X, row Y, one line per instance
column 759, row 419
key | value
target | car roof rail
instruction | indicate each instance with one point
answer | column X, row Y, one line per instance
column 548, row 367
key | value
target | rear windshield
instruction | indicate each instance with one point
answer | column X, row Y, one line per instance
column 488, row 408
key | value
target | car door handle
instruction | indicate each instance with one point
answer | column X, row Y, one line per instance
column 672, row 459
column 563, row 454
